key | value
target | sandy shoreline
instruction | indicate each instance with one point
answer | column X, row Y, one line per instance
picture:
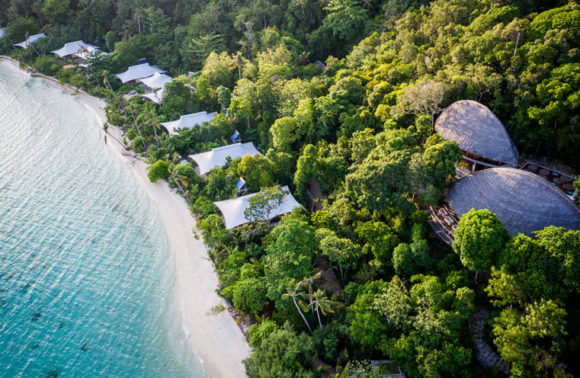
column 214, row 338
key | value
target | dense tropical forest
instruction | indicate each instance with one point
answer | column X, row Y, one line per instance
column 340, row 96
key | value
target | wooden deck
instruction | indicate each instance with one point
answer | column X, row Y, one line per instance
column 444, row 222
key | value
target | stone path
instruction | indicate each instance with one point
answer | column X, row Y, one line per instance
column 483, row 351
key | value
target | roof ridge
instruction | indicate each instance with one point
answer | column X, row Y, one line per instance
column 228, row 146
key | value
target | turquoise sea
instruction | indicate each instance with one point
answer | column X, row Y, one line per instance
column 85, row 268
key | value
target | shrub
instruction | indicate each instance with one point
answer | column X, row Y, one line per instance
column 250, row 295
column 137, row 144
column 159, row 170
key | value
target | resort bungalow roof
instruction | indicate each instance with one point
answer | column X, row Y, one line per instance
column 233, row 209
column 158, row 80
column 157, row 84
column 29, row 40
column 155, row 96
column 188, row 121
column 477, row 131
column 140, row 71
column 78, row 48
column 523, row 201
column 217, row 157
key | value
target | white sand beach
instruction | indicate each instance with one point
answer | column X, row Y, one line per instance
column 214, row 338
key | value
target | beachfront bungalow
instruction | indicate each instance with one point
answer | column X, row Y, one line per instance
column 155, row 85
column 29, row 40
column 479, row 133
column 188, row 121
column 217, row 157
column 233, row 210
column 522, row 200
column 137, row 72
column 77, row 50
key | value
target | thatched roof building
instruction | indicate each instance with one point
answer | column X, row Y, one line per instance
column 523, row 201
column 477, row 131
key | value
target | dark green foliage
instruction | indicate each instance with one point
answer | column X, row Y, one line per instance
column 410, row 259
column 328, row 340
column 220, row 185
column 259, row 332
column 21, row 28
column 564, row 246
column 283, row 353
column 427, row 322
column 440, row 161
column 380, row 241
column 366, row 326
column 248, row 295
column 47, row 65
column 381, row 180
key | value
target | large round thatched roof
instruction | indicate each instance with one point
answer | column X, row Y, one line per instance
column 523, row 201
column 478, row 131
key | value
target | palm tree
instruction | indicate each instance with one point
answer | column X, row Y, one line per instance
column 106, row 81
column 154, row 121
column 138, row 16
column 239, row 61
column 310, row 281
column 295, row 295
column 130, row 108
column 177, row 178
column 320, row 303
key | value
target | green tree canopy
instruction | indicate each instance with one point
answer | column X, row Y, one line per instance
column 158, row 170
column 289, row 251
column 479, row 237
column 283, row 353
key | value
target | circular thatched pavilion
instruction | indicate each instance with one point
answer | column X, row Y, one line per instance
column 479, row 133
column 523, row 201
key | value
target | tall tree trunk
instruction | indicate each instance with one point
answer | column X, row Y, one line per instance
column 155, row 132
column 318, row 314
column 138, row 128
column 301, row 314
column 125, row 111
column 181, row 189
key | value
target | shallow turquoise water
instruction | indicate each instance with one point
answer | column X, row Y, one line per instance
column 85, row 269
